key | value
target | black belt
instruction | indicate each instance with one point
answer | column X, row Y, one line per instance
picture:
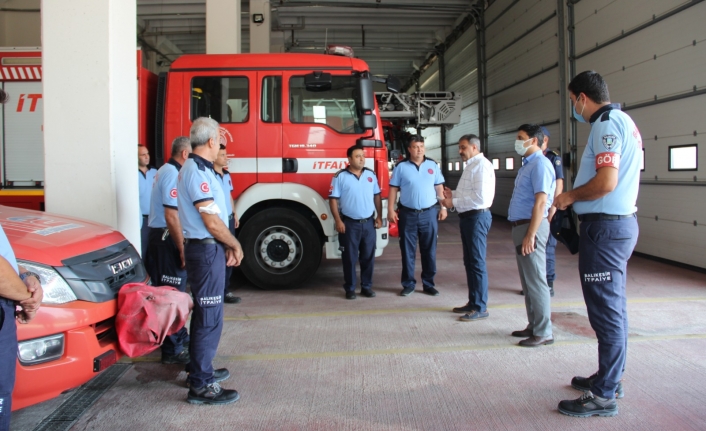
column 200, row 241
column 362, row 220
column 601, row 216
column 402, row 207
column 466, row 214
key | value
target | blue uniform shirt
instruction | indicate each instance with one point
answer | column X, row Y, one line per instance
column 354, row 194
column 555, row 160
column 227, row 185
column 164, row 193
column 536, row 175
column 614, row 141
column 197, row 182
column 416, row 183
column 145, row 182
column 6, row 250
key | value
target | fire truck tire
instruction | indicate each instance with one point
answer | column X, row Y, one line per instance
column 281, row 248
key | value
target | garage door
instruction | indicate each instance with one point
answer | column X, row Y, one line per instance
column 652, row 53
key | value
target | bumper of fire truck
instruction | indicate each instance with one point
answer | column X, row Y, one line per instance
column 333, row 247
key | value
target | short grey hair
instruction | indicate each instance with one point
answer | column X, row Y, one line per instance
column 180, row 144
column 472, row 139
column 202, row 130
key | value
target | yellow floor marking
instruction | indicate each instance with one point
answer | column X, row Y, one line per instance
column 419, row 350
column 574, row 304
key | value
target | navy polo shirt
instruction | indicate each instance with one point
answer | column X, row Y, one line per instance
column 555, row 160
column 227, row 185
column 145, row 181
column 6, row 251
column 614, row 141
column 535, row 176
column 416, row 183
column 197, row 182
column 164, row 193
column 355, row 194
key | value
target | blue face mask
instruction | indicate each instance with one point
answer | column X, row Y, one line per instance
column 578, row 116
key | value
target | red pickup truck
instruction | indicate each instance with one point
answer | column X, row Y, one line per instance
column 82, row 264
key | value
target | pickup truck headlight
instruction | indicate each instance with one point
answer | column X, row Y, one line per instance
column 38, row 350
column 56, row 289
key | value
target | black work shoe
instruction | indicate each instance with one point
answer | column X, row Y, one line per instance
column 212, row 394
column 431, row 291
column 182, row 358
column 219, row 375
column 350, row 295
column 368, row 293
column 588, row 405
column 584, row 384
column 525, row 333
column 407, row 291
column 468, row 308
column 230, row 298
column 473, row 316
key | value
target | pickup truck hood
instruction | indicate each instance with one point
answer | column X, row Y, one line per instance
column 48, row 239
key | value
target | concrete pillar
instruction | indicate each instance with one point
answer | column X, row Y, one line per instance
column 90, row 112
column 260, row 33
column 223, row 27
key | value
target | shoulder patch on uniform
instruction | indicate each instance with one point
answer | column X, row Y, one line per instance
column 609, row 141
column 605, row 116
column 557, row 162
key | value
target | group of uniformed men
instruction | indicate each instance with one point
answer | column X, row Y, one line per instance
column 603, row 197
column 191, row 238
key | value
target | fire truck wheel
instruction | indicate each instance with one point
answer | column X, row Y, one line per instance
column 282, row 249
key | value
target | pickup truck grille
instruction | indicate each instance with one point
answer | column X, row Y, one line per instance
column 99, row 275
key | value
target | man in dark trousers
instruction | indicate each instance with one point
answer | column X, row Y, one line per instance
column 604, row 197
column 209, row 247
column 145, row 180
column 357, row 209
column 220, row 166
column 419, row 182
column 165, row 253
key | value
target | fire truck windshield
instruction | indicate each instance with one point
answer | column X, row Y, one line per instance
column 334, row 107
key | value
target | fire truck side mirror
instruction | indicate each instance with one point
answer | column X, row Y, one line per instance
column 317, row 81
column 367, row 121
column 365, row 98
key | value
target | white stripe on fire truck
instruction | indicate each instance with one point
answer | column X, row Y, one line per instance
column 273, row 165
column 22, row 72
column 29, row 72
column 7, row 74
column 37, row 72
column 14, row 72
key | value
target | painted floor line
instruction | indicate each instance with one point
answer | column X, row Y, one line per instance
column 420, row 350
column 556, row 305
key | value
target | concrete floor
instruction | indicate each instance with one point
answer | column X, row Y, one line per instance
column 308, row 359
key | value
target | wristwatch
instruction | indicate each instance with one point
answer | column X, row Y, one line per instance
column 30, row 274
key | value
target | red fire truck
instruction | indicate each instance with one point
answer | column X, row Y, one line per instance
column 286, row 121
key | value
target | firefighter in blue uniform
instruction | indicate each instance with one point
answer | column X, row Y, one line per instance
column 604, row 197
column 420, row 184
column 145, row 180
column 209, row 248
column 165, row 253
column 219, row 167
column 20, row 297
column 555, row 160
column 357, row 209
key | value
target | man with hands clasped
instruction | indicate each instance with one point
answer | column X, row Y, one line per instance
column 356, row 206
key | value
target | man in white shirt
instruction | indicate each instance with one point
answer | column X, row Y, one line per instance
column 472, row 199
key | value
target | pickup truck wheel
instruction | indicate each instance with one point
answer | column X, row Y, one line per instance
column 281, row 248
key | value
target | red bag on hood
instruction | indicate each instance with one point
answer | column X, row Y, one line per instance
column 148, row 314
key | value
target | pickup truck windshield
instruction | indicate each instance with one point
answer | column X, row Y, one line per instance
column 335, row 107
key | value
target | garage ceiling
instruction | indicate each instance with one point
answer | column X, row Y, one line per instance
column 392, row 36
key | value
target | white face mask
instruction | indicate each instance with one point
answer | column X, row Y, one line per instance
column 520, row 146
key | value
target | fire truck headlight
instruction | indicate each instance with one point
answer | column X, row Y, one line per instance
column 56, row 289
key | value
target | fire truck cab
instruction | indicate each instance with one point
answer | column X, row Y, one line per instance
column 286, row 121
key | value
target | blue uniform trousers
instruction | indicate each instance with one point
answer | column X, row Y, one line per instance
column 474, row 235
column 551, row 259
column 144, row 236
column 358, row 245
column 8, row 360
column 163, row 264
column 229, row 269
column 205, row 269
column 422, row 226
column 605, row 248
